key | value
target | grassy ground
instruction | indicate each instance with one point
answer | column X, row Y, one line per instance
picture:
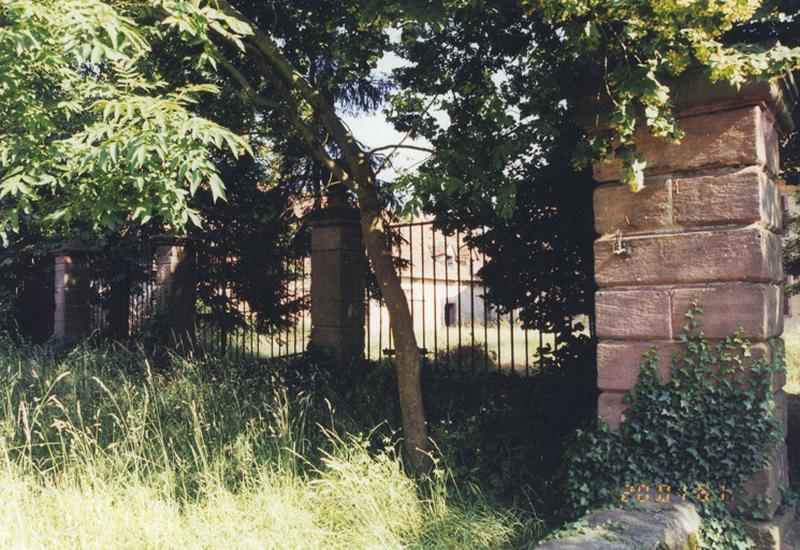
column 111, row 449
column 491, row 346
column 791, row 340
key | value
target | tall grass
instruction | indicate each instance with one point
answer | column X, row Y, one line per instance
column 101, row 448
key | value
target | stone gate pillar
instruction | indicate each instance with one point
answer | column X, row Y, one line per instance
column 338, row 270
column 707, row 227
column 176, row 286
column 72, row 314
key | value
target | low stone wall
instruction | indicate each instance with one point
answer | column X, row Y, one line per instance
column 649, row 526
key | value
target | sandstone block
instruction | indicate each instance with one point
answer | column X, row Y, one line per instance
column 619, row 363
column 765, row 483
column 647, row 526
column 337, row 237
column 337, row 313
column 338, row 262
column 744, row 196
column 772, row 534
column 746, row 254
column 617, row 208
column 744, row 136
column 756, row 308
column 633, row 314
column 337, row 287
column 611, row 409
column 348, row 340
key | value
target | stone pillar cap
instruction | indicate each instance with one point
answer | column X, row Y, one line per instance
column 171, row 239
column 334, row 216
column 693, row 93
column 74, row 248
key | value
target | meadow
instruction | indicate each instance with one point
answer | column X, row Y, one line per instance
column 115, row 448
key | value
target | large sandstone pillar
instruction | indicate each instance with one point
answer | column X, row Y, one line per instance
column 338, row 270
column 707, row 227
column 72, row 316
column 176, row 286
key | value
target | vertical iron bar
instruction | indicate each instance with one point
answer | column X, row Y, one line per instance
column 511, row 319
column 380, row 333
column 435, row 301
column 458, row 288
column 422, row 279
column 367, row 330
column 499, row 321
column 541, row 345
column 447, row 309
column 527, row 367
column 472, row 310
column 294, row 298
column 485, row 324
column 410, row 270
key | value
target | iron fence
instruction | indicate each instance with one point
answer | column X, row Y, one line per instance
column 455, row 324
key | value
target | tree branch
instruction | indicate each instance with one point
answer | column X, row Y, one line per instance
column 356, row 158
column 401, row 146
column 247, row 88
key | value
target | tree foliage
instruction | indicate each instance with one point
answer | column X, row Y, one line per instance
column 89, row 132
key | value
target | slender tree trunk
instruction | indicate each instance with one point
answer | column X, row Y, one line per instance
column 359, row 178
column 415, row 430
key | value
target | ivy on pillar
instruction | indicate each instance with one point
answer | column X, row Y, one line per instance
column 338, row 270
column 72, row 314
column 176, row 286
column 706, row 227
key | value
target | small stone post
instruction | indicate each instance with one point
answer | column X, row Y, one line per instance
column 72, row 314
column 338, row 270
column 176, row 286
column 706, row 227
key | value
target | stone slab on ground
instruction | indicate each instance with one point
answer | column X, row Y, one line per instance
column 649, row 526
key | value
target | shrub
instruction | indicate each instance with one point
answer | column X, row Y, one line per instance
column 703, row 433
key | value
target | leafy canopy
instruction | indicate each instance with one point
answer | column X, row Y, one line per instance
column 87, row 130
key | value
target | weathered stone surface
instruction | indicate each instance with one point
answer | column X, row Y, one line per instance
column 744, row 136
column 337, row 286
column 72, row 315
column 728, row 196
column 338, row 313
column 782, row 414
column 633, row 314
column 650, row 526
column 617, row 208
column 786, row 529
column 176, row 281
column 348, row 340
column 611, row 409
column 765, row 483
column 338, row 262
column 756, row 308
column 775, row 534
column 743, row 196
column 619, row 362
column 338, row 274
column 332, row 237
column 746, row 254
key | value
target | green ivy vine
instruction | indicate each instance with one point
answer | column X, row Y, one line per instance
column 696, row 437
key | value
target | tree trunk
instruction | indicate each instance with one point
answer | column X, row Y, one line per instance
column 415, row 430
column 361, row 180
